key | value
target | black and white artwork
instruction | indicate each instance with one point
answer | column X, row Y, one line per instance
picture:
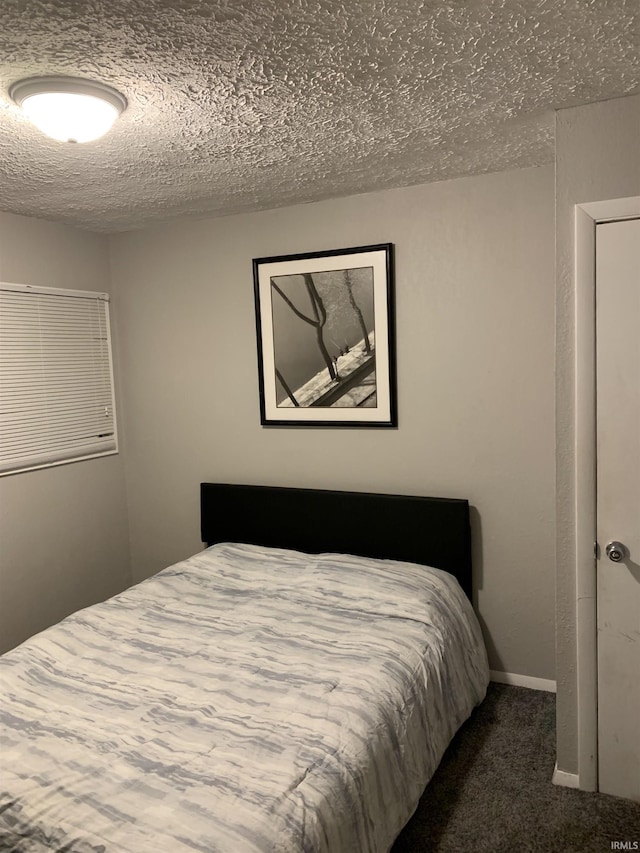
column 325, row 338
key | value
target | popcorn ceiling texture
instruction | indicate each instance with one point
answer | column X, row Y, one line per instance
column 240, row 105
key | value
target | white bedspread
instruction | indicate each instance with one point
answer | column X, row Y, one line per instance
column 243, row 700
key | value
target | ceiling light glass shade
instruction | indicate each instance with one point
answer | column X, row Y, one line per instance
column 68, row 109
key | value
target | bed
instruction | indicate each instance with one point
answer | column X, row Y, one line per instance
column 292, row 687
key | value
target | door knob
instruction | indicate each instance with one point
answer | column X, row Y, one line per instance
column 615, row 551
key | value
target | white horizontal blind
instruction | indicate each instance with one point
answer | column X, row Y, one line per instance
column 56, row 377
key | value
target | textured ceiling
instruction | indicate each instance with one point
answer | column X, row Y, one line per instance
column 238, row 105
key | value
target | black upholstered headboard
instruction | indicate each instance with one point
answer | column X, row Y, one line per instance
column 431, row 531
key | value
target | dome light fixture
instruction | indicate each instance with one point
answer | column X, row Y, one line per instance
column 68, row 109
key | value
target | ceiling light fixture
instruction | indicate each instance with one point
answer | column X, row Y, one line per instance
column 67, row 108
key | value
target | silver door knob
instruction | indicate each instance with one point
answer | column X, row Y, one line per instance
column 615, row 551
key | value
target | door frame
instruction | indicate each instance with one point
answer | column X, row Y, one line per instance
column 587, row 217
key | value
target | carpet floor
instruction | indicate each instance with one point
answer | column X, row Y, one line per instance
column 493, row 793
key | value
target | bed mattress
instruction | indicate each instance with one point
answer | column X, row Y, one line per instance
column 243, row 700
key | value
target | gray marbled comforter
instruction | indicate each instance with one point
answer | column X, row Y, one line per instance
column 244, row 700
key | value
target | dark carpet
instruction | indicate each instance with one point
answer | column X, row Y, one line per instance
column 492, row 792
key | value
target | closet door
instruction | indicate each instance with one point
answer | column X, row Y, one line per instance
column 618, row 505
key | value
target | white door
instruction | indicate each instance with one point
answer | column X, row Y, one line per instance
column 618, row 505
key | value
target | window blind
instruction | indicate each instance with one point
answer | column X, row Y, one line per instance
column 56, row 377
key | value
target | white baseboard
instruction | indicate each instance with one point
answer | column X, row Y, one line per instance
column 564, row 779
column 523, row 681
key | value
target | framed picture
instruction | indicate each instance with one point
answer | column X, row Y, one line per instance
column 326, row 348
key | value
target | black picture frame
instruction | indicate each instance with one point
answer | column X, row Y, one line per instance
column 325, row 325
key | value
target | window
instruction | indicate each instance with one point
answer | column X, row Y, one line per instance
column 56, row 377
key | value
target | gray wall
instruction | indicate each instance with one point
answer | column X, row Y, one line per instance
column 475, row 309
column 63, row 530
column 597, row 158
